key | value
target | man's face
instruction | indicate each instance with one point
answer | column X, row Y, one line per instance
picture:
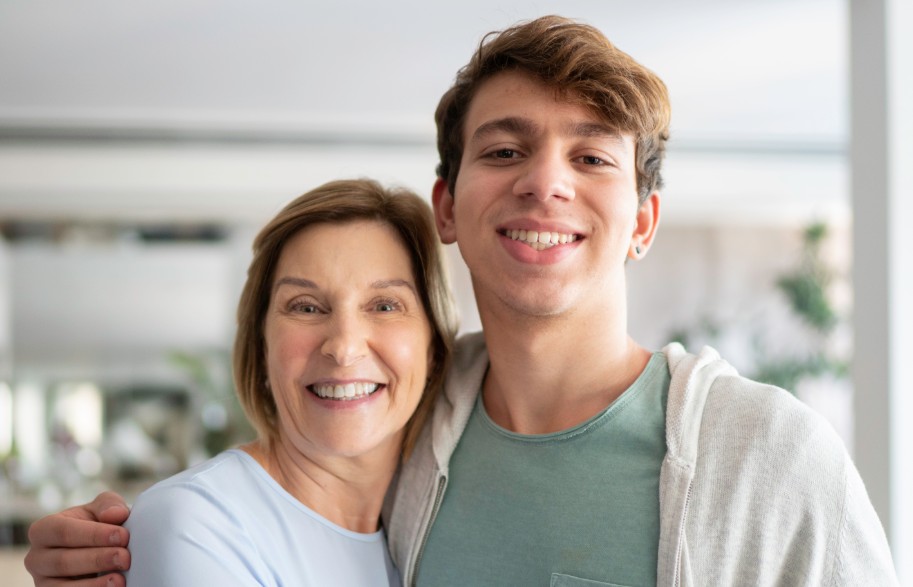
column 535, row 168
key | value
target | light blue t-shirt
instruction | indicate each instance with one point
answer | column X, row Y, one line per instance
column 578, row 507
column 226, row 522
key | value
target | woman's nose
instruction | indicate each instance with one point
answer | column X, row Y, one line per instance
column 346, row 341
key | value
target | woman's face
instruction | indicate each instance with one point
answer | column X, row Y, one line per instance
column 347, row 339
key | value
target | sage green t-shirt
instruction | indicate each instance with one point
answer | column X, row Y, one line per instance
column 573, row 508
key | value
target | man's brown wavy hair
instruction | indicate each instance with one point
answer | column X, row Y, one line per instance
column 584, row 68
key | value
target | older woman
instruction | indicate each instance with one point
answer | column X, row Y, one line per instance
column 344, row 334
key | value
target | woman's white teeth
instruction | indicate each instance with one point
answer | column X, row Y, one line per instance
column 346, row 391
column 540, row 240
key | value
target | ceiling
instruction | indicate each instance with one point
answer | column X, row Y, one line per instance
column 225, row 109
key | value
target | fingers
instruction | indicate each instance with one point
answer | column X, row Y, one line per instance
column 72, row 529
column 81, row 526
column 112, row 580
column 49, row 564
column 108, row 507
column 71, row 547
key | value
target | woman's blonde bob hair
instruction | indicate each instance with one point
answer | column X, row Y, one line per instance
column 339, row 202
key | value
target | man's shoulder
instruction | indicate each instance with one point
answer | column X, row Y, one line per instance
column 709, row 395
column 467, row 367
column 469, row 349
column 763, row 407
column 769, row 430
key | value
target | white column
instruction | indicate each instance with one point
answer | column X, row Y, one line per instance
column 881, row 67
column 6, row 357
column 6, row 322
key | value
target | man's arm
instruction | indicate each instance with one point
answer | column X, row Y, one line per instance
column 74, row 547
column 863, row 556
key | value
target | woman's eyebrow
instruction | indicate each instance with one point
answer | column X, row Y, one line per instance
column 296, row 281
column 389, row 283
column 379, row 284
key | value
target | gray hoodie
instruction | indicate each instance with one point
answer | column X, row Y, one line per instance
column 755, row 488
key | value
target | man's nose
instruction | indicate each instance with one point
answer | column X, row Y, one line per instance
column 547, row 175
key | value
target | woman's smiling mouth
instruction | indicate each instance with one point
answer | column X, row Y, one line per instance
column 344, row 391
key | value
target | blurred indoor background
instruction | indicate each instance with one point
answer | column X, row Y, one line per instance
column 142, row 145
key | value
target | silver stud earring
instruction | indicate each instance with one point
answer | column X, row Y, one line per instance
column 637, row 249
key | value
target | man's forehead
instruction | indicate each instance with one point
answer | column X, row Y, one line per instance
column 518, row 103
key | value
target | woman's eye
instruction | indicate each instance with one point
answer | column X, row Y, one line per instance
column 386, row 306
column 592, row 160
column 304, row 308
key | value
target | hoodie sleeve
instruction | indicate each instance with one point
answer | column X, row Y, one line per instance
column 862, row 555
column 772, row 498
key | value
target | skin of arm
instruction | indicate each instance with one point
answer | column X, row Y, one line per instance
column 83, row 546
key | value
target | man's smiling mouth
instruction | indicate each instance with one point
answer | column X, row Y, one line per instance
column 540, row 240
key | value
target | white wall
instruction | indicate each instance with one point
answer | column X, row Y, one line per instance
column 95, row 310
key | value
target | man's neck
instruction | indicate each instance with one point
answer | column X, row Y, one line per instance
column 551, row 373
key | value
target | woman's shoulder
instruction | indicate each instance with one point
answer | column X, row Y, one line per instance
column 194, row 527
column 213, row 486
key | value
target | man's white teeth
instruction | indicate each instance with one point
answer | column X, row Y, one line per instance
column 347, row 391
column 540, row 240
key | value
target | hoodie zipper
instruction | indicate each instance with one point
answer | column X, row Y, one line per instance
column 442, row 481
column 681, row 536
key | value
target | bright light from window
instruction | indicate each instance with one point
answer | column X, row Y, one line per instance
column 29, row 431
column 79, row 409
column 6, row 419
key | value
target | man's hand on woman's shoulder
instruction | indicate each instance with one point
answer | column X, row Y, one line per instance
column 83, row 546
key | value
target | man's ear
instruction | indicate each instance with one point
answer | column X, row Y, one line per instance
column 647, row 221
column 442, row 202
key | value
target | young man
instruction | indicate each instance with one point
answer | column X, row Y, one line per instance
column 562, row 452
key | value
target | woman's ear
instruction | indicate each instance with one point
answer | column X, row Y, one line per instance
column 442, row 202
column 646, row 223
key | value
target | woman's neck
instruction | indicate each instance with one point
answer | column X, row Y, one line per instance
column 348, row 491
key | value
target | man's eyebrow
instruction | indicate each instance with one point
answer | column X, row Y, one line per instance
column 525, row 127
column 510, row 124
column 594, row 129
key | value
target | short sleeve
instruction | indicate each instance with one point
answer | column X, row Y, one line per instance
column 182, row 536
